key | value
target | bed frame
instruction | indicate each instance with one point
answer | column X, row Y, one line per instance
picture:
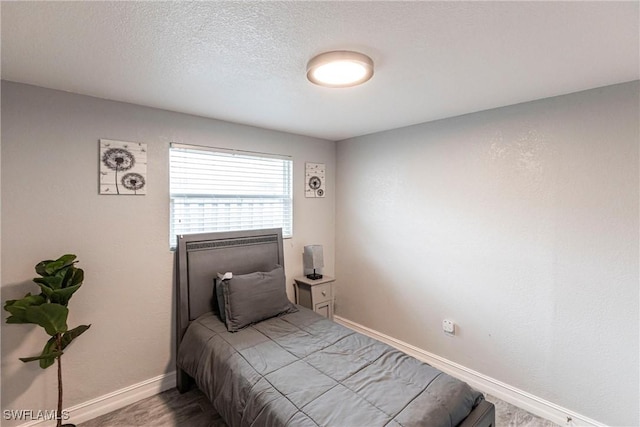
column 201, row 256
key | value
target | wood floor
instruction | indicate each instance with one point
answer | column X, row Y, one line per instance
column 192, row 409
column 511, row 416
column 167, row 409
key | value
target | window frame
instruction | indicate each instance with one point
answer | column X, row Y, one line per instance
column 285, row 198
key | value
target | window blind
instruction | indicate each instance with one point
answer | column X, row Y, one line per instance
column 222, row 190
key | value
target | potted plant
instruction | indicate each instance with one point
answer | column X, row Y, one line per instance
column 58, row 281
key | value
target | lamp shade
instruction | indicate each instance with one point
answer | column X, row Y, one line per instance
column 313, row 257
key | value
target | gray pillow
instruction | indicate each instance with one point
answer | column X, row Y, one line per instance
column 219, row 298
column 218, row 306
column 250, row 298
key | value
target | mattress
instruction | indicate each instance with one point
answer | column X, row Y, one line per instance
column 301, row 369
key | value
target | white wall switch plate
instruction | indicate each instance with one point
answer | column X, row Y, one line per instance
column 448, row 327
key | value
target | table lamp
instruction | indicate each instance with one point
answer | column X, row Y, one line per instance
column 312, row 260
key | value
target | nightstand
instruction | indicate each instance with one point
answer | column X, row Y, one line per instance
column 316, row 294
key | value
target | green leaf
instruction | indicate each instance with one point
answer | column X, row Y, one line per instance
column 71, row 276
column 73, row 334
column 52, row 317
column 67, row 274
column 49, row 268
column 52, row 282
column 78, row 277
column 60, row 263
column 18, row 308
column 62, row 296
column 46, row 290
column 51, row 351
column 46, row 360
column 25, row 301
column 67, row 259
column 41, row 267
column 48, row 356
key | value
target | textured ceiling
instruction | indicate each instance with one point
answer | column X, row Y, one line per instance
column 245, row 61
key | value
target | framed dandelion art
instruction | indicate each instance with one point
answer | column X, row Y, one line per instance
column 123, row 167
column 314, row 180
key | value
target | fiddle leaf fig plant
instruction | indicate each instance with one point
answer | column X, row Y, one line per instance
column 59, row 280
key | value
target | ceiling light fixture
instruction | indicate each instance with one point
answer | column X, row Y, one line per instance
column 340, row 68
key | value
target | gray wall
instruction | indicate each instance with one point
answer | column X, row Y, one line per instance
column 521, row 225
column 51, row 206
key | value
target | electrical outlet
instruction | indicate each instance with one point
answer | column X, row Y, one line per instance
column 449, row 327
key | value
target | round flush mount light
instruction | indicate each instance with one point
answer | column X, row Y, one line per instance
column 340, row 68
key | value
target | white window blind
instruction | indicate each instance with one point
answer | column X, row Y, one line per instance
column 221, row 190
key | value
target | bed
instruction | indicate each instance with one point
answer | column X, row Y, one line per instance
column 295, row 368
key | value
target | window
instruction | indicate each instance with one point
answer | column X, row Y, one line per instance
column 214, row 189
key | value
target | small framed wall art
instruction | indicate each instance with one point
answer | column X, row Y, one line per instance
column 123, row 167
column 314, row 180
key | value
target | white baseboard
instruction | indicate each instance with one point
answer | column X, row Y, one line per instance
column 118, row 399
column 481, row 382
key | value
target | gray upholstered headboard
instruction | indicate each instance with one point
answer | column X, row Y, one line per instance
column 200, row 257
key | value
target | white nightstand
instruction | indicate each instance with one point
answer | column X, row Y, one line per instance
column 316, row 294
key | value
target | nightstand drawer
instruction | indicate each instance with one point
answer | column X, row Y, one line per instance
column 324, row 309
column 321, row 293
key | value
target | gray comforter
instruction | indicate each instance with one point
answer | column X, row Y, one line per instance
column 301, row 369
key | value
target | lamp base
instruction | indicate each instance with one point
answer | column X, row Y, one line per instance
column 314, row 276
